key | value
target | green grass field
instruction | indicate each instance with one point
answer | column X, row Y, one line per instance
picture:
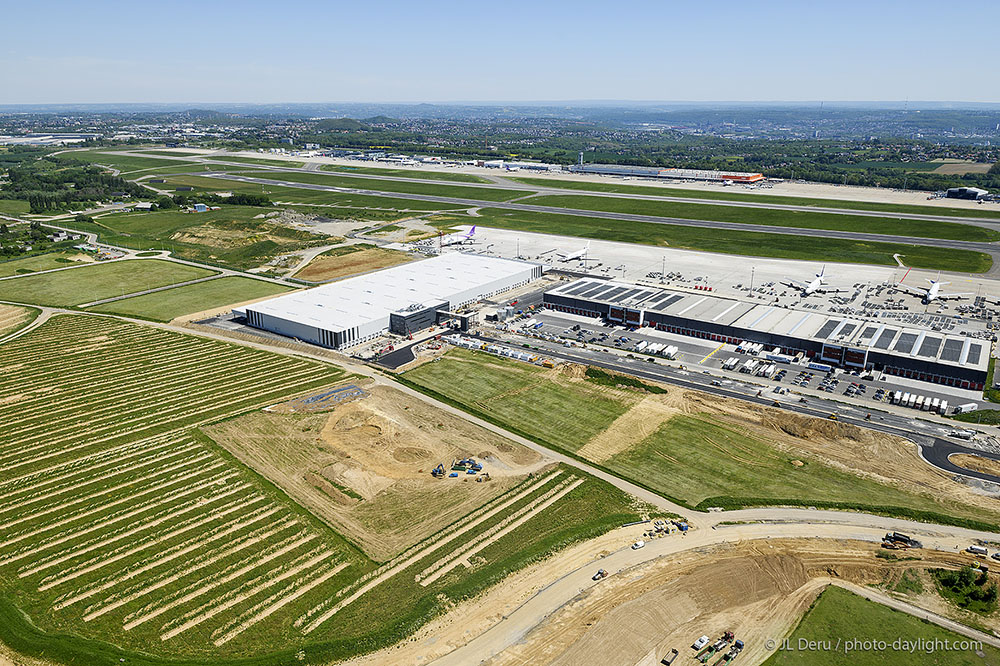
column 258, row 160
column 752, row 243
column 838, row 616
column 394, row 186
column 127, row 534
column 519, row 394
column 330, row 204
column 736, row 195
column 407, row 173
column 770, row 217
column 93, row 283
column 166, row 305
column 13, row 207
column 695, row 460
column 130, row 165
column 38, row 262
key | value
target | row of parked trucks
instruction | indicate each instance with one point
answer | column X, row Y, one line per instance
column 657, row 349
column 925, row 404
column 751, row 366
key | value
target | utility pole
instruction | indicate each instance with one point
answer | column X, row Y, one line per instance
column 752, row 269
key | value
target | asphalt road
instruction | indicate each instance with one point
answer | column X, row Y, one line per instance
column 988, row 248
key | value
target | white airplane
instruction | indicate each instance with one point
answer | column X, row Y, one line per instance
column 816, row 286
column 459, row 238
column 933, row 293
column 580, row 254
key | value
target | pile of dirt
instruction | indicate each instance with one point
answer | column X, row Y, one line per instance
column 572, row 370
column 807, row 427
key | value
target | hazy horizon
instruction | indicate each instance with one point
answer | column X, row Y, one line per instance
column 451, row 52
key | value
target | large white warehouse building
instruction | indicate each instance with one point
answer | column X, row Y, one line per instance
column 403, row 299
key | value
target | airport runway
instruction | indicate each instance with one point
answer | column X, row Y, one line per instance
column 988, row 248
column 504, row 183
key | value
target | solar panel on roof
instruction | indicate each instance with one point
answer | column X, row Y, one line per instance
column 868, row 332
column 577, row 288
column 885, row 339
column 905, row 343
column 952, row 350
column 614, row 292
column 827, row 328
column 629, row 294
column 601, row 289
column 974, row 353
column 847, row 329
column 930, row 347
column 659, row 302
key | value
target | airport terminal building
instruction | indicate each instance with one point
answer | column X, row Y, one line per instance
column 915, row 349
column 403, row 299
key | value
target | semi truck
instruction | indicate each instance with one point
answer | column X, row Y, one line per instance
column 966, row 408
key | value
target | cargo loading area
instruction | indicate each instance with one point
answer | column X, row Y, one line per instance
column 926, row 348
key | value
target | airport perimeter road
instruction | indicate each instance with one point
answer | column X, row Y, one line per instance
column 988, row 248
column 514, row 626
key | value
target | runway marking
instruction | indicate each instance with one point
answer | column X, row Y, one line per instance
column 712, row 353
column 904, row 275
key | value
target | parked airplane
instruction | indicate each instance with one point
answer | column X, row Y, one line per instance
column 459, row 238
column 816, row 286
column 933, row 293
column 580, row 254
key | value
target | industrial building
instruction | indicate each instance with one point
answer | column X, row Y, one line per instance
column 973, row 193
column 923, row 349
column 403, row 299
column 671, row 174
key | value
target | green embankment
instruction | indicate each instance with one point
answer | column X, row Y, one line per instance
column 833, row 632
column 695, row 460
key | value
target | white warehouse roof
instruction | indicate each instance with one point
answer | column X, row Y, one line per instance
column 367, row 300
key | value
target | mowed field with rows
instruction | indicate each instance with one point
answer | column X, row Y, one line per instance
column 126, row 533
column 118, row 523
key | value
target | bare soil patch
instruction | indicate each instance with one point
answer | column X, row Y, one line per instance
column 976, row 463
column 959, row 168
column 364, row 467
column 325, row 267
column 12, row 318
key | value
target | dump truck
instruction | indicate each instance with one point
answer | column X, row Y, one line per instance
column 669, row 659
column 731, row 655
column 717, row 646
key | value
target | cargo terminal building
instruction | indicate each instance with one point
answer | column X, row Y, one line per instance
column 837, row 340
column 403, row 299
column 667, row 174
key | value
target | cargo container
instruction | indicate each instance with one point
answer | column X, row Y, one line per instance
column 944, row 407
column 911, row 400
column 935, row 405
column 967, row 407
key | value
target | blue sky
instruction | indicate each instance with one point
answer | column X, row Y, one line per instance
column 313, row 51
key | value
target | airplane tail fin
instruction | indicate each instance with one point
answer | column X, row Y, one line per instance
column 472, row 231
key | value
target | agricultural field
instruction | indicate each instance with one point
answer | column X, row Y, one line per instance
column 761, row 197
column 129, row 165
column 760, row 244
column 349, row 260
column 698, row 450
column 838, row 614
column 13, row 318
column 192, row 298
column 407, row 173
column 85, row 284
column 128, row 533
column 772, row 217
column 394, row 186
column 43, row 262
